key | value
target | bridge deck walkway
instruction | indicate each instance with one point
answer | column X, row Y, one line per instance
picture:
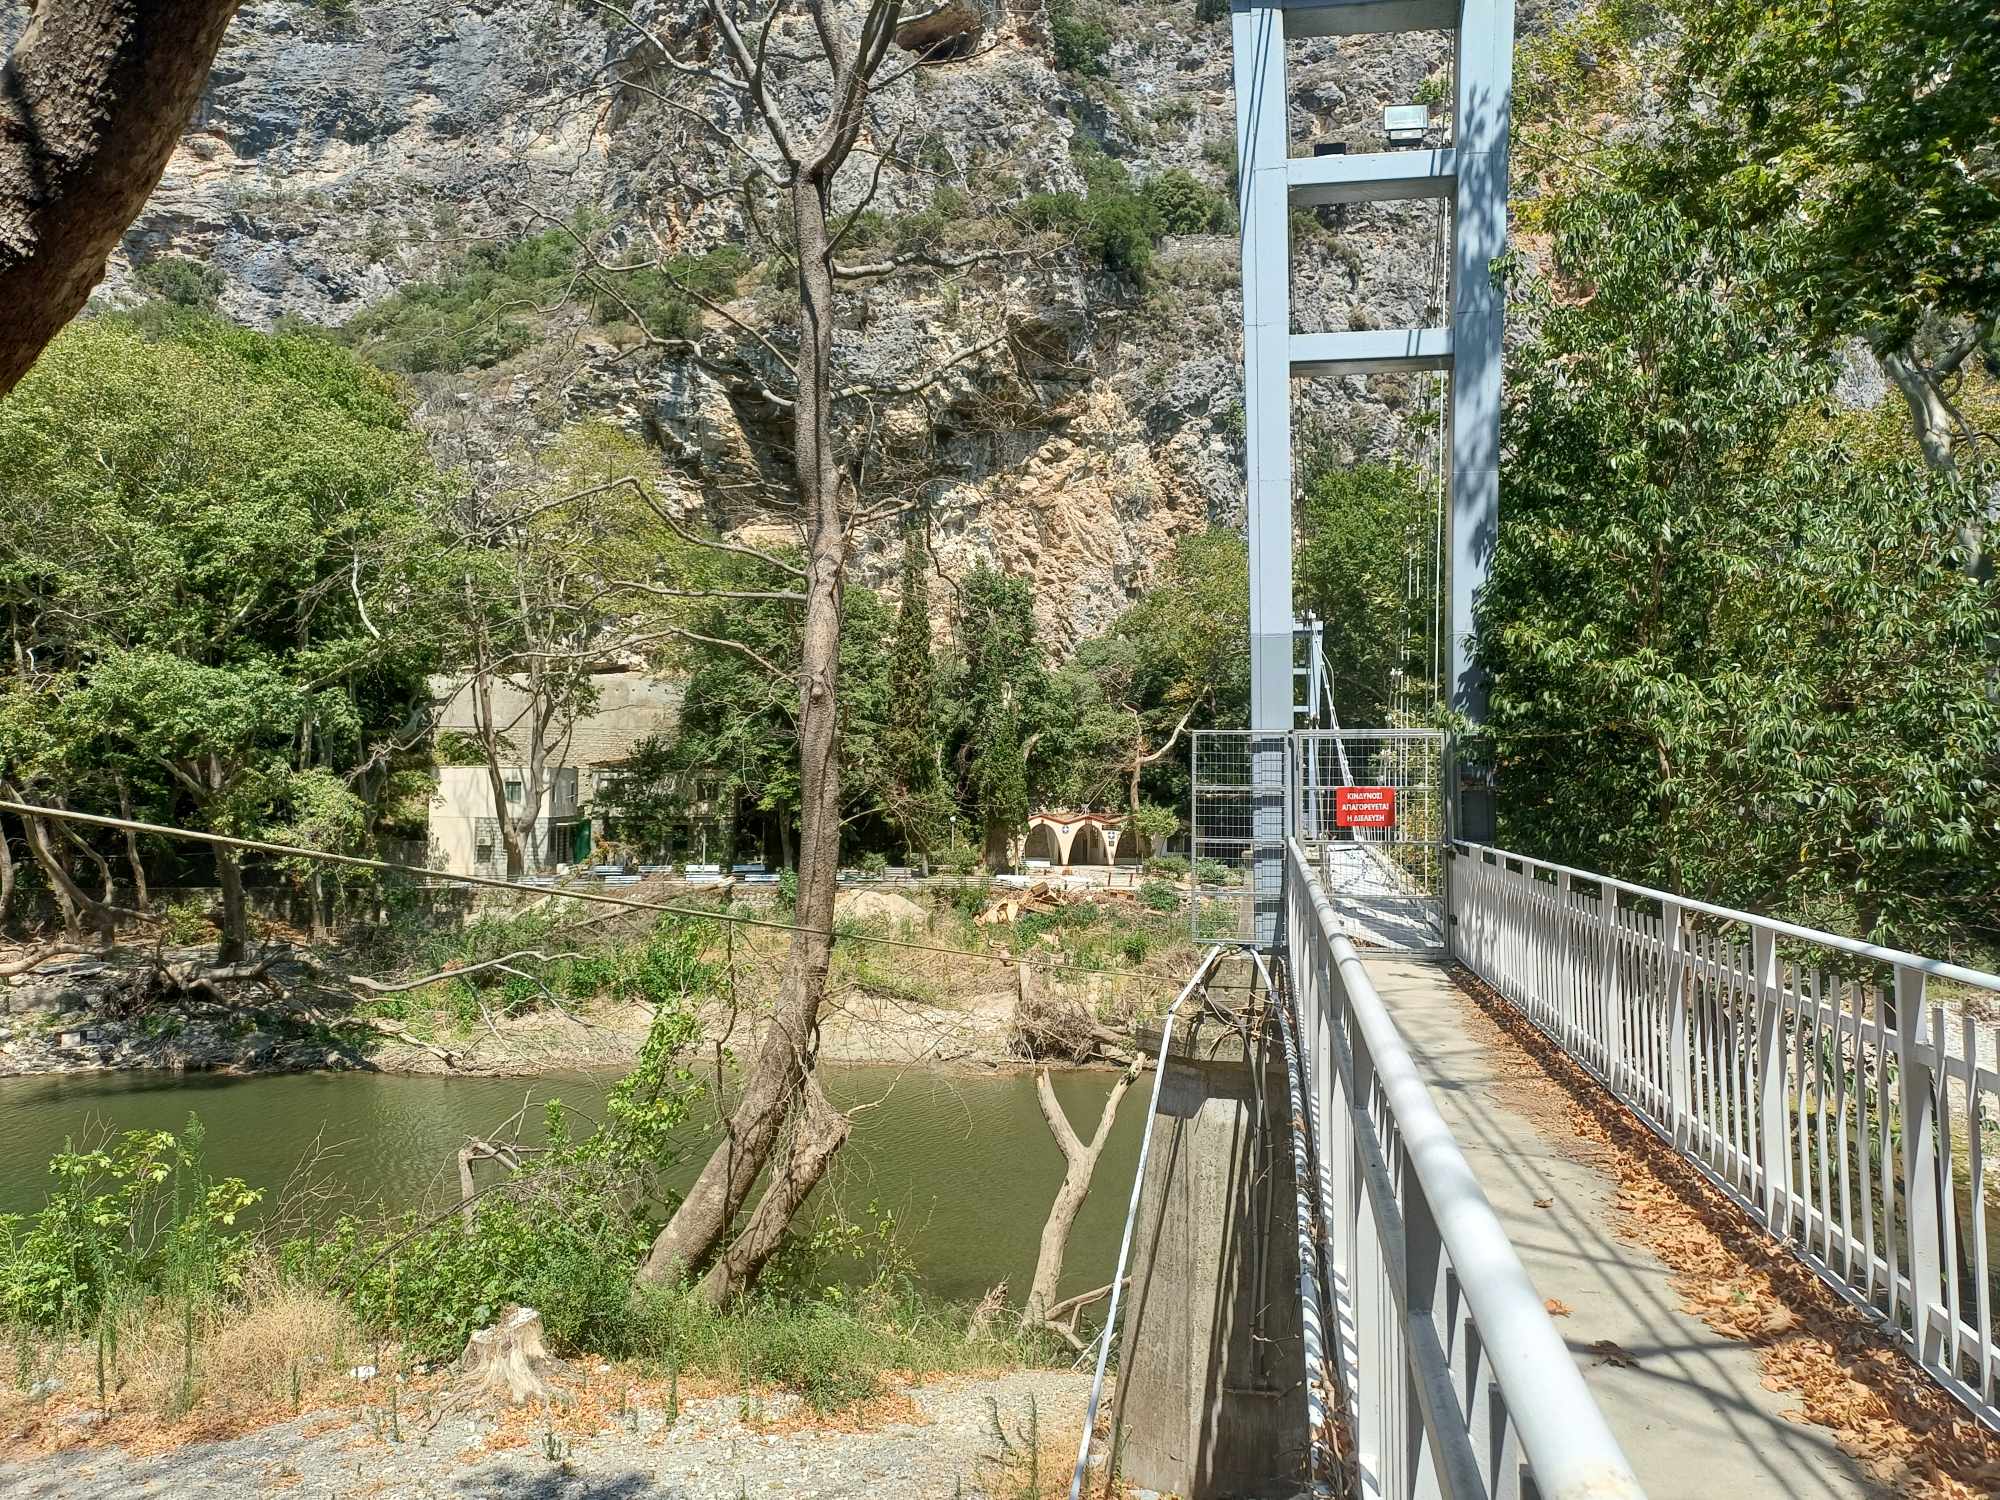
column 1690, row 1406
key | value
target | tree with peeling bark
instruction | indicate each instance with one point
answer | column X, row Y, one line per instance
column 805, row 76
column 93, row 100
column 1079, row 1166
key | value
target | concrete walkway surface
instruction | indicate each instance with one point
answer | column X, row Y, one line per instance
column 1690, row 1406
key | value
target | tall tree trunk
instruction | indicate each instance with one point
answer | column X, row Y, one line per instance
column 140, row 897
column 784, row 1062
column 6, row 874
column 234, row 941
column 1079, row 1165
column 73, row 903
column 481, row 684
column 820, row 1132
column 105, row 882
column 93, row 100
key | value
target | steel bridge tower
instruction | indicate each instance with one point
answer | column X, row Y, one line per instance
column 1471, row 173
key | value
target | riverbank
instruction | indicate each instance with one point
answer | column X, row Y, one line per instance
column 910, row 985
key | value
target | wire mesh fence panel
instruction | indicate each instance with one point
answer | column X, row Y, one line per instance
column 1369, row 804
column 1236, row 820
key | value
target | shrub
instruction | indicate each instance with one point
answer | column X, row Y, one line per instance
column 1211, row 872
column 183, row 282
column 139, row 1214
column 788, row 890
column 874, row 864
column 186, row 922
column 1183, row 204
column 660, row 298
column 560, row 1251
column 471, row 315
column 1158, row 895
column 1167, row 867
column 1079, row 44
column 1155, row 823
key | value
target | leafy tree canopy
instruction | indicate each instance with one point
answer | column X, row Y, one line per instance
column 222, row 568
column 1730, row 656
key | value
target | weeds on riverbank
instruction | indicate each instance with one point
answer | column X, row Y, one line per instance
column 1110, row 952
column 141, row 1281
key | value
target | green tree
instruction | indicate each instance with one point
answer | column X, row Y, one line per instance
column 222, row 564
column 1366, row 541
column 738, row 727
column 1862, row 136
column 1003, row 680
column 550, row 566
column 911, row 751
column 1727, row 656
column 1112, row 718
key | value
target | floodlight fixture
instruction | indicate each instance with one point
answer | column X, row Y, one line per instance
column 1406, row 124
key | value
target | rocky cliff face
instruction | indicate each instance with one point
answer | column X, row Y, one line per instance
column 348, row 147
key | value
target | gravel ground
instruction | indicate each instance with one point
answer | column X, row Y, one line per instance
column 940, row 1443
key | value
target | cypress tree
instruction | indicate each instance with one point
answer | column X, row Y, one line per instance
column 911, row 736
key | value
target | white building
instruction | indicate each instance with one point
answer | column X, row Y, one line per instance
column 584, row 767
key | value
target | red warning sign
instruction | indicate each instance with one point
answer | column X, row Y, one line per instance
column 1364, row 807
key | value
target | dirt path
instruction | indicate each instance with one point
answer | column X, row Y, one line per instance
column 938, row 1439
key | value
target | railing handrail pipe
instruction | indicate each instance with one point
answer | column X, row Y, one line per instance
column 1200, row 977
column 1935, row 967
column 1569, row 1446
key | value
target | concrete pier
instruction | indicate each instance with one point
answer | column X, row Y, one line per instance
column 1210, row 1399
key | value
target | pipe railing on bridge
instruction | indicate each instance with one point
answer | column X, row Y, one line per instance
column 1452, row 1378
column 1838, row 1092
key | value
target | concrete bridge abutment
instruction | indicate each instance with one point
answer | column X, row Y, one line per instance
column 1211, row 1397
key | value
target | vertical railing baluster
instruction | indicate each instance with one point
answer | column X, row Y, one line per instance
column 1916, row 1096
column 1674, row 965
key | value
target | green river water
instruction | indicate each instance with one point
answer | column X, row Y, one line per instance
column 966, row 1163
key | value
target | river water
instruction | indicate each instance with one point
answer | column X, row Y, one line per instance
column 966, row 1163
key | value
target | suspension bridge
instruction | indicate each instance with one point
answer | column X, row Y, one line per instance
column 1367, row 1255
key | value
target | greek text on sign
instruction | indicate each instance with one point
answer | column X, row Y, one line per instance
column 1364, row 807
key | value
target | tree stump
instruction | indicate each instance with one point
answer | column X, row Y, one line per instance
column 508, row 1358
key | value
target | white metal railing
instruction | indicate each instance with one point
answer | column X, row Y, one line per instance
column 1845, row 1095
column 1453, row 1379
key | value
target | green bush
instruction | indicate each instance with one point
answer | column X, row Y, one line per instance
column 1212, row 872
column 472, row 315
column 1167, row 867
column 1183, row 204
column 874, row 864
column 139, row 1215
column 788, row 891
column 1115, row 223
column 659, row 298
column 1078, row 43
column 1158, row 895
column 562, row 1252
column 562, row 1236
column 183, row 282
column 484, row 308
